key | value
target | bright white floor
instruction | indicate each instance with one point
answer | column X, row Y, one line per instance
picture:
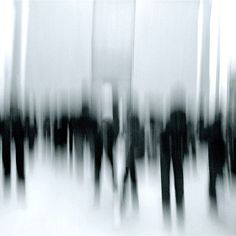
column 59, row 202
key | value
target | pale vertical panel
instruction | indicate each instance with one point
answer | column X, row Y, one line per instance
column 166, row 48
column 7, row 13
column 59, row 48
column 214, row 59
column 113, row 41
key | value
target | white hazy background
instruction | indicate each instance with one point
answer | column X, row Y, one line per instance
column 161, row 52
column 60, row 45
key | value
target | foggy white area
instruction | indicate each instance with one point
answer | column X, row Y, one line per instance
column 59, row 47
column 67, row 62
column 165, row 47
column 61, row 35
column 113, row 41
column 61, row 202
column 6, row 34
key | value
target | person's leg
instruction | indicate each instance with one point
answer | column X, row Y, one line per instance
column 6, row 150
column 111, row 160
column 212, row 182
column 19, row 144
column 134, row 184
column 108, row 146
column 6, row 159
column 212, row 190
column 233, row 157
column 177, row 161
column 97, row 164
column 20, row 166
column 165, row 181
column 71, row 140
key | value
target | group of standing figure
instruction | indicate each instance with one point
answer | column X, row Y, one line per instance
column 15, row 131
column 175, row 137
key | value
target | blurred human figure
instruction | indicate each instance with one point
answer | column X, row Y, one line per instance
column 107, row 135
column 12, row 128
column 71, row 125
column 84, row 130
column 132, row 153
column 191, row 140
column 108, row 143
column 201, row 126
column 165, row 160
column 115, row 116
column 56, row 133
column 216, row 154
column 98, row 161
column 104, row 141
column 47, row 127
column 231, row 144
column 173, row 149
column 6, row 147
column 60, row 131
column 31, row 130
column 153, row 137
column 18, row 135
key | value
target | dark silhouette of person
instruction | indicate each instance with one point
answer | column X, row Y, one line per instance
column 132, row 153
column 85, row 127
column 155, row 124
column 6, row 146
column 71, row 125
column 12, row 130
column 18, row 135
column 153, row 138
column 116, row 120
column 98, row 161
column 107, row 134
column 165, row 159
column 106, row 138
column 191, row 139
column 47, row 128
column 216, row 155
column 31, row 130
column 110, row 125
column 231, row 144
column 60, row 131
column 201, row 128
column 56, row 133
column 173, row 149
column 64, row 124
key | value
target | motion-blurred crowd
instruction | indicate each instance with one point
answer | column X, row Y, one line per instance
column 168, row 140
